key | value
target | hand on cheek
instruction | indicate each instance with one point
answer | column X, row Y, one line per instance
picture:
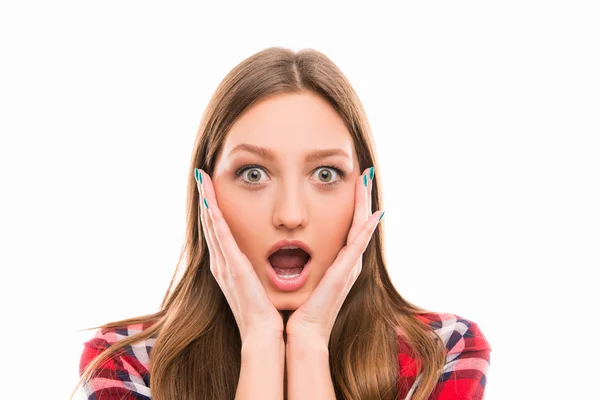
column 314, row 320
column 254, row 313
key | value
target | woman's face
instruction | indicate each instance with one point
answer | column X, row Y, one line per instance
column 288, row 196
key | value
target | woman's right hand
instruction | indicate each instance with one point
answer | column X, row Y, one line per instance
column 254, row 313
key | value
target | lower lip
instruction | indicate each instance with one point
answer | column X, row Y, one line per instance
column 289, row 284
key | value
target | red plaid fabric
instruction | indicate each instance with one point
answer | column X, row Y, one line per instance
column 126, row 375
column 467, row 363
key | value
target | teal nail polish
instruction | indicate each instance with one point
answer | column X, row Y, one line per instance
column 200, row 176
column 372, row 172
column 381, row 216
column 196, row 174
column 205, row 203
column 365, row 176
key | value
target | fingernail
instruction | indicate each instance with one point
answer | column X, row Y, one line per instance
column 205, row 203
column 372, row 172
column 365, row 176
column 381, row 216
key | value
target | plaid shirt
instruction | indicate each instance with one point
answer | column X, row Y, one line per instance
column 126, row 376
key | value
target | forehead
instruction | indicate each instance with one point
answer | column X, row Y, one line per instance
column 291, row 125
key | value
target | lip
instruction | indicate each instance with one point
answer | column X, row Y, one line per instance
column 288, row 285
column 285, row 242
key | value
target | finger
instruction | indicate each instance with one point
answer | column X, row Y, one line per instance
column 349, row 256
column 222, row 234
column 370, row 191
column 332, row 290
column 216, row 255
column 362, row 208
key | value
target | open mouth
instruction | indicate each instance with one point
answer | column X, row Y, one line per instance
column 289, row 263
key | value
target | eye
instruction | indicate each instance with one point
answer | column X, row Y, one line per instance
column 254, row 174
column 324, row 176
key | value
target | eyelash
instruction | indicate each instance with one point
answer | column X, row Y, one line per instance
column 243, row 169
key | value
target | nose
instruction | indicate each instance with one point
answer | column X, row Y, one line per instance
column 290, row 206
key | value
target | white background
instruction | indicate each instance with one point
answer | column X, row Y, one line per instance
column 486, row 121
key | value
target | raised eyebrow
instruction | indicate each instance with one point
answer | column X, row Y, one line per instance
column 269, row 154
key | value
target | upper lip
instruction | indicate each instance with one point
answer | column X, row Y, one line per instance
column 285, row 242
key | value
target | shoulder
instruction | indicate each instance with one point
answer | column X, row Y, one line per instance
column 126, row 373
column 467, row 361
column 458, row 333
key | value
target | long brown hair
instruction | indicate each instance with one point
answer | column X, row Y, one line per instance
column 195, row 327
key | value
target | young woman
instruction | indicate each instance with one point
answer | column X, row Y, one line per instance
column 285, row 291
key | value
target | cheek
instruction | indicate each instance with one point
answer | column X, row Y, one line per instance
column 334, row 222
column 336, row 216
column 331, row 220
column 242, row 217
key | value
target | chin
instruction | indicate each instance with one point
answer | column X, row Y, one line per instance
column 287, row 301
column 286, row 305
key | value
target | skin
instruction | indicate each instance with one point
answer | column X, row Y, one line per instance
column 290, row 199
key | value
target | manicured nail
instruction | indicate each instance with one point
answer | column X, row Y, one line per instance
column 381, row 216
column 372, row 172
column 198, row 175
column 205, row 203
column 365, row 176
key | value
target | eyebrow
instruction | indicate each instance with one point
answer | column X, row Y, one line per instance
column 269, row 154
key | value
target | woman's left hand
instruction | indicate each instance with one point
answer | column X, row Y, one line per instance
column 314, row 320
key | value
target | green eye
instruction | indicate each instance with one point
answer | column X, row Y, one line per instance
column 255, row 174
column 325, row 174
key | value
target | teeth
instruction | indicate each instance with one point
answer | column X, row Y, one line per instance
column 288, row 276
column 289, row 247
